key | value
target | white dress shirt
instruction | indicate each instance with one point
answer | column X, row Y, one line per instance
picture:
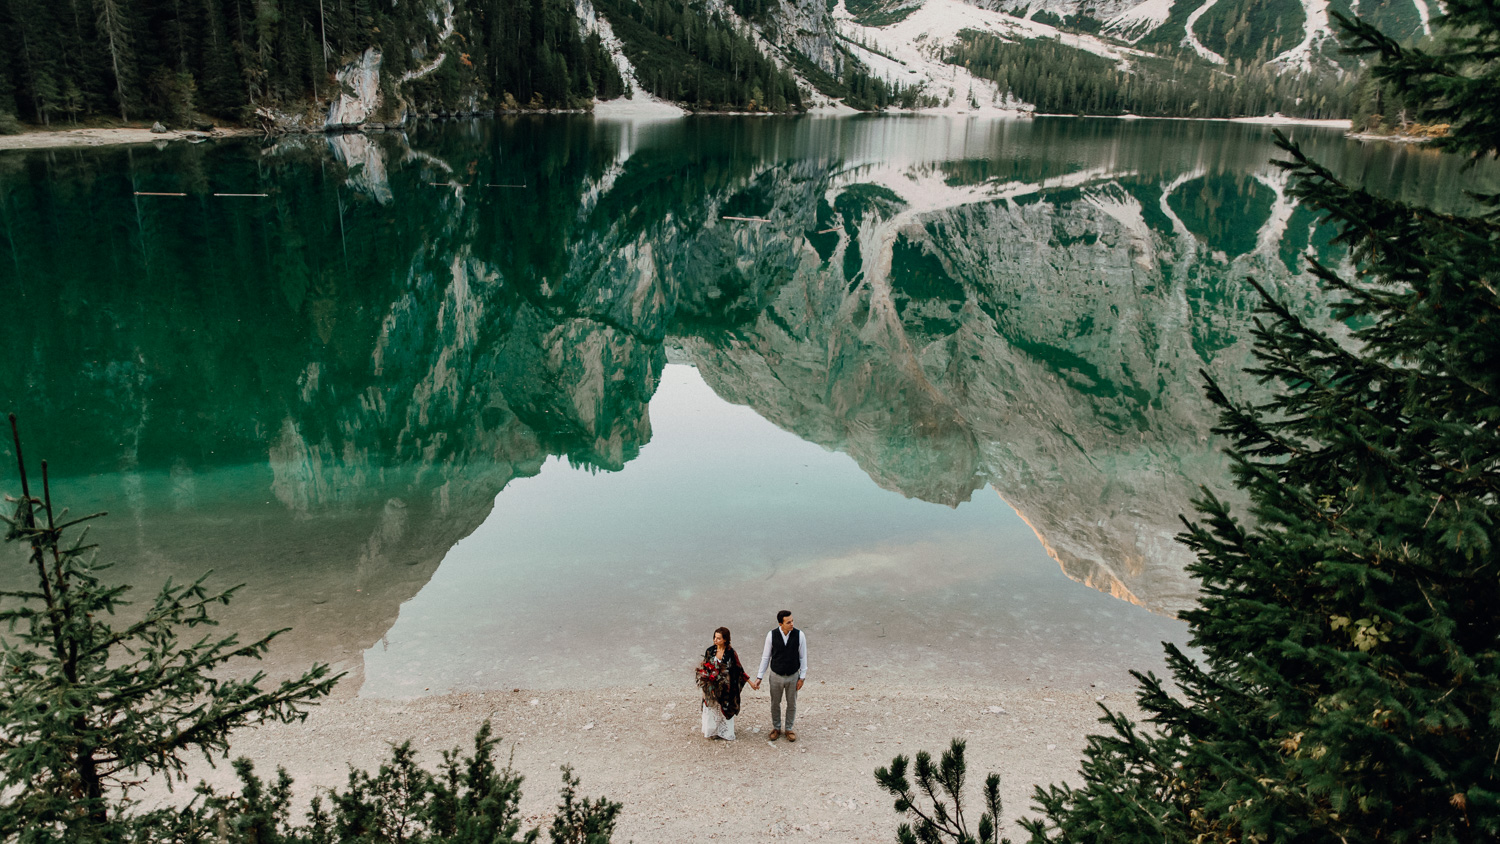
column 765, row 655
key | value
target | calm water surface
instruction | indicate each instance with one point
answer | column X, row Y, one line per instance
column 516, row 404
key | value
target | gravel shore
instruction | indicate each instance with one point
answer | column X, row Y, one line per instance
column 643, row 747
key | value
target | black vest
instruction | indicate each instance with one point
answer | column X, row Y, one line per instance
column 786, row 659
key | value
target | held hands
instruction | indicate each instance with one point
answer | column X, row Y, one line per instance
column 755, row 684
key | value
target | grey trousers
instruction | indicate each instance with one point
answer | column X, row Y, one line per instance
column 788, row 686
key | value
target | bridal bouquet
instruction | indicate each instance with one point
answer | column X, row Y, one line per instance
column 712, row 679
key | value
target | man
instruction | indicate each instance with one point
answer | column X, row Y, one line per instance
column 786, row 654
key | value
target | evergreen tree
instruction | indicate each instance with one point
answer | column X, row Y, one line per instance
column 223, row 89
column 1349, row 684
column 86, row 707
column 1350, row 687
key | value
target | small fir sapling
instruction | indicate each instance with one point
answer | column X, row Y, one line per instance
column 937, row 788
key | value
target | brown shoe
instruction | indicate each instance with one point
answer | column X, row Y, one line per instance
column 775, row 734
column 791, row 736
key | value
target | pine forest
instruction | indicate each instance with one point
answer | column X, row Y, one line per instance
column 188, row 62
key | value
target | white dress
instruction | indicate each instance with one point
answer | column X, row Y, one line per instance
column 715, row 725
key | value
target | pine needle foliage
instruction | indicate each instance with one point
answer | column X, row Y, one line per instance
column 1348, row 688
column 88, row 709
column 939, row 787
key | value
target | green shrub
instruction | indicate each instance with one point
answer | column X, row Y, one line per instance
column 468, row 801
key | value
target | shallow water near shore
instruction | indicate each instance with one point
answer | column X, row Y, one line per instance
column 579, row 580
column 540, row 402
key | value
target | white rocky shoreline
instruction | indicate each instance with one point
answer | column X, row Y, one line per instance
column 112, row 136
column 93, row 137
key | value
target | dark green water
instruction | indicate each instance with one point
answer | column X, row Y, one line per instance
column 424, row 394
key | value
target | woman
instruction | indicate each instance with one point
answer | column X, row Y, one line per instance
column 721, row 677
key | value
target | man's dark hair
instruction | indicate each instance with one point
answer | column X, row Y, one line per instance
column 782, row 615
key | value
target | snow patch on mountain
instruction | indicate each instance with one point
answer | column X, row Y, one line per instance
column 911, row 52
column 1100, row 9
column 1136, row 21
column 637, row 102
column 811, row 39
column 1315, row 30
column 1425, row 14
column 1191, row 39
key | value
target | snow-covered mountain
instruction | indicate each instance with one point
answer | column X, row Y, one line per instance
column 907, row 41
column 1170, row 57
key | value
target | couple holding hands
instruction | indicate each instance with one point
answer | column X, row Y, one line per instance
column 721, row 676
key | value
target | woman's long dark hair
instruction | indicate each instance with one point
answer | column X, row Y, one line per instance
column 724, row 631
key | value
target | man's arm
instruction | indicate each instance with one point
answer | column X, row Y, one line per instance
column 765, row 659
column 801, row 652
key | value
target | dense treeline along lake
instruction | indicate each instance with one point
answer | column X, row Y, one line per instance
column 540, row 402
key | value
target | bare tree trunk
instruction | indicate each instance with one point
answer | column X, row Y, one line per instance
column 36, row 100
column 112, row 21
column 323, row 33
column 181, row 42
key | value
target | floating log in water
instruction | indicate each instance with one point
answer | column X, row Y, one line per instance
column 828, row 231
column 450, row 184
column 746, row 219
column 505, row 186
column 156, row 193
column 241, row 194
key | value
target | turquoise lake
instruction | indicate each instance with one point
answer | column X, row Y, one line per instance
column 540, row 402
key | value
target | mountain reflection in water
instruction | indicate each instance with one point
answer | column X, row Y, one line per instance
column 324, row 389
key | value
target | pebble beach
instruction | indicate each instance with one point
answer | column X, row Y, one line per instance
column 642, row 746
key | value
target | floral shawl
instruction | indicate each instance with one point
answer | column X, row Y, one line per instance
column 722, row 682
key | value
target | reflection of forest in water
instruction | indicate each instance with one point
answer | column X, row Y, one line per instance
column 331, row 383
